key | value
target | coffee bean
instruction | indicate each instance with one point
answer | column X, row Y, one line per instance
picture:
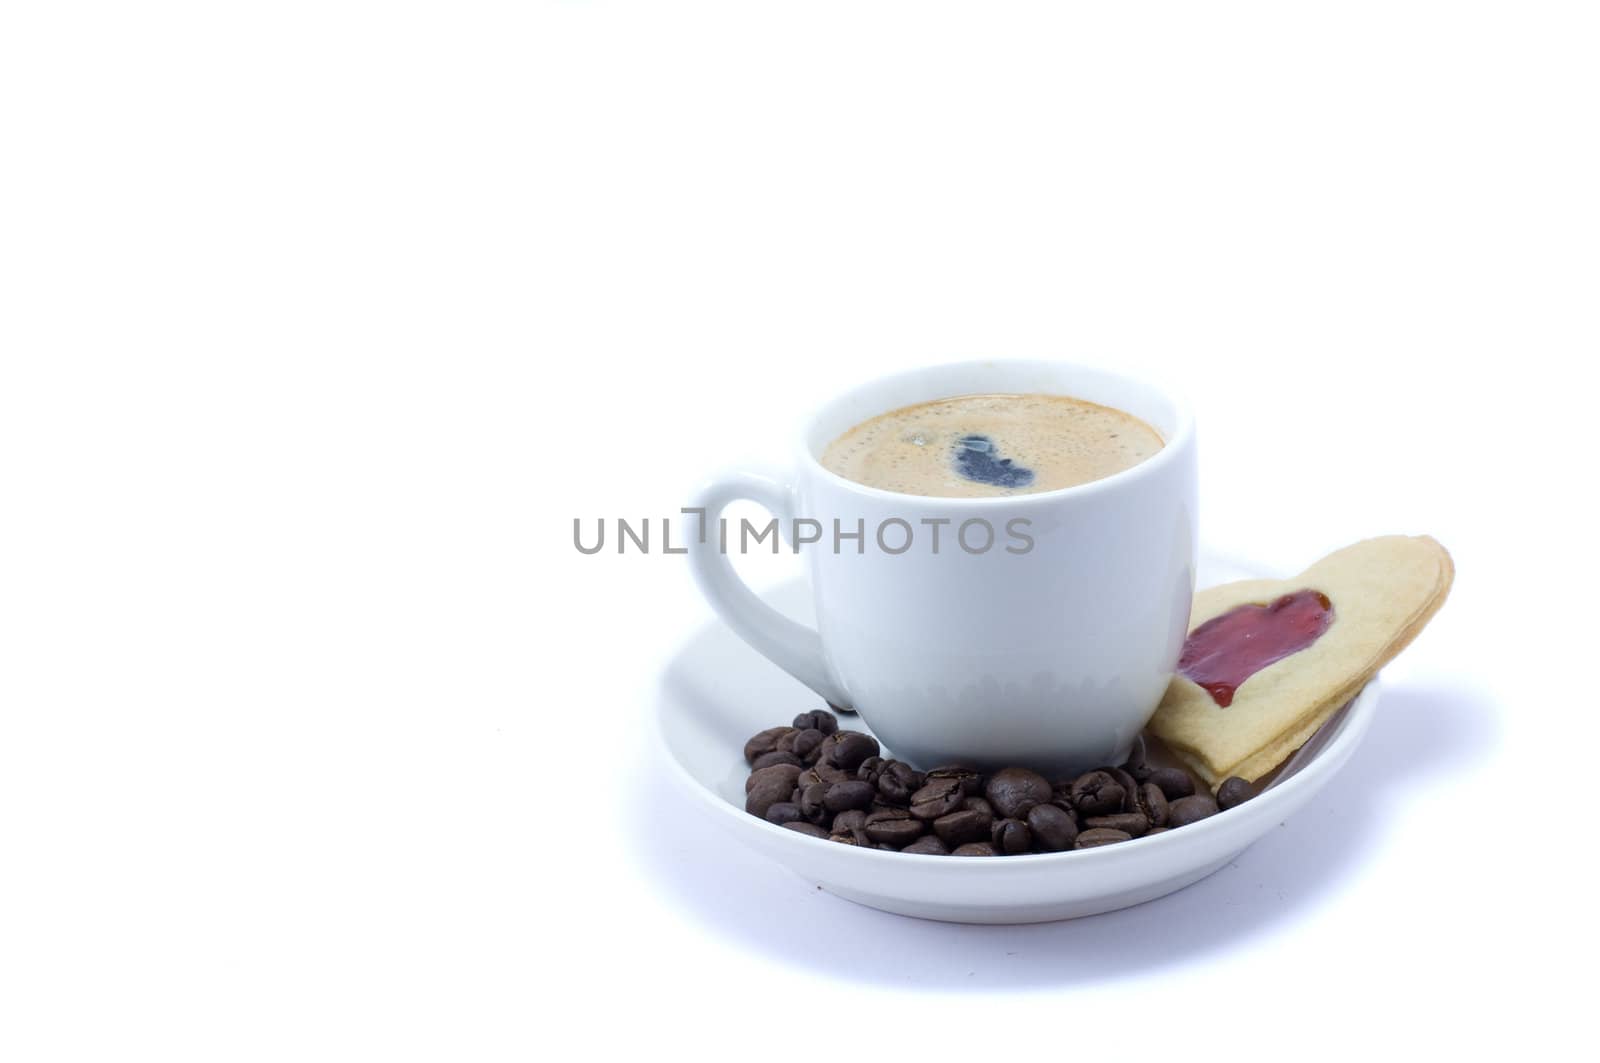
column 826, row 773
column 853, row 794
column 812, row 777
column 1234, row 791
column 962, row 826
column 1130, row 789
column 1153, row 803
column 1091, row 839
column 869, row 770
column 764, row 742
column 1012, row 791
column 781, row 812
column 767, row 760
column 895, row 832
column 1054, row 830
column 772, row 773
column 1138, row 763
column 766, row 794
column 1011, row 836
column 800, row 826
column 927, row 845
column 812, row 805
column 1191, row 809
column 832, row 772
column 971, row 781
column 850, row 821
column 1096, row 793
column 808, row 745
column 1174, row 782
column 898, row 781
column 817, row 720
column 936, row 798
column 1132, row 824
column 847, row 749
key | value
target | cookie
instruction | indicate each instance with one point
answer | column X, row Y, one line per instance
column 1268, row 661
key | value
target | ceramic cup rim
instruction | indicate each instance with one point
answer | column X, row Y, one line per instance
column 1174, row 444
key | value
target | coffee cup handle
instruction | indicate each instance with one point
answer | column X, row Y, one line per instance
column 795, row 648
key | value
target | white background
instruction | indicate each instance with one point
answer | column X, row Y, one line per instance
column 320, row 322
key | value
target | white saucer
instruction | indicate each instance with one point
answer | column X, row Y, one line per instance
column 718, row 692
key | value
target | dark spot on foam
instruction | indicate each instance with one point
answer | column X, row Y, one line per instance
column 977, row 460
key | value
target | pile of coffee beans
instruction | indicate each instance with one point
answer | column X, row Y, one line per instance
column 813, row 778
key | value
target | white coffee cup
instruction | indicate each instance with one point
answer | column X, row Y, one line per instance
column 1052, row 655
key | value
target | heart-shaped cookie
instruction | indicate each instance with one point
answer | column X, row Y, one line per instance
column 1268, row 661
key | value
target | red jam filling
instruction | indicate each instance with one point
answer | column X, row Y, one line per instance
column 1228, row 649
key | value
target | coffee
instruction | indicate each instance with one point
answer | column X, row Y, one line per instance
column 976, row 446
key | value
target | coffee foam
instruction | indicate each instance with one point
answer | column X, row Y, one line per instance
column 973, row 446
